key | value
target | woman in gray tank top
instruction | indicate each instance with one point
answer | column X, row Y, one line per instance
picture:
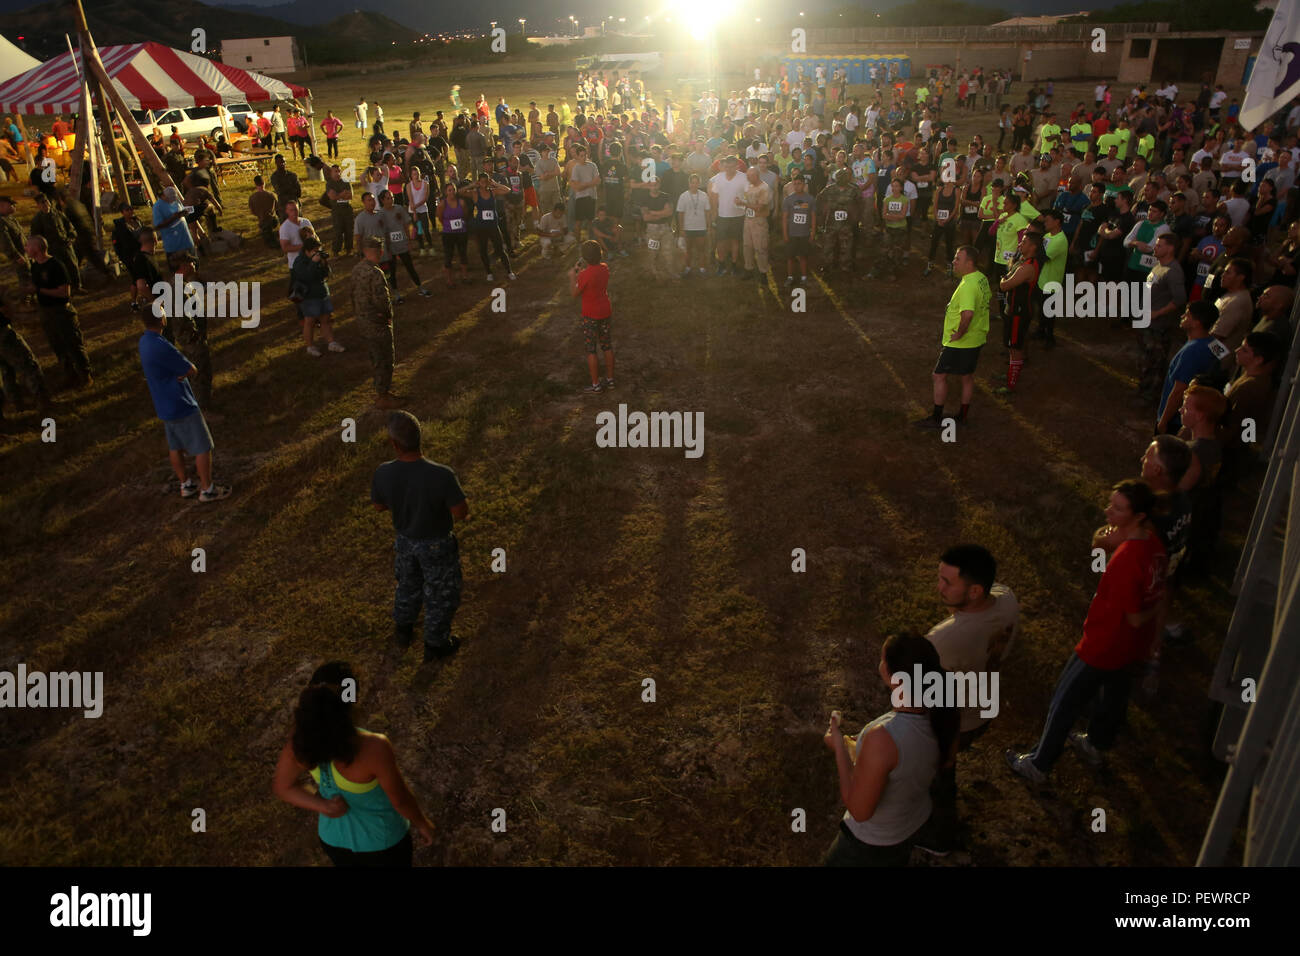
column 886, row 771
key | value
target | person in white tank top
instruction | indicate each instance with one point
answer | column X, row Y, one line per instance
column 417, row 202
column 886, row 771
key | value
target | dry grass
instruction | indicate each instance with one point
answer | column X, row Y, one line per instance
column 622, row 565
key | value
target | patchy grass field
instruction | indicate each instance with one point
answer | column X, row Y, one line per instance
column 622, row 565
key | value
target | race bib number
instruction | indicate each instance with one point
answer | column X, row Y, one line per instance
column 489, row 215
column 970, row 210
column 922, row 185
column 749, row 214
column 515, row 181
column 841, row 215
column 895, row 206
column 1008, row 255
column 396, row 236
column 652, row 245
column 1147, row 261
column 1218, row 349
column 799, row 218
column 1069, row 217
column 1203, row 270
column 941, row 215
column 456, row 224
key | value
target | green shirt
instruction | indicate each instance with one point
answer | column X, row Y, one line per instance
column 1145, row 145
column 1105, row 141
column 1007, row 238
column 1054, row 268
column 1050, row 132
column 971, row 295
column 1124, row 136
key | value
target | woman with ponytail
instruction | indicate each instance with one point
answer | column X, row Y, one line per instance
column 366, row 810
column 886, row 771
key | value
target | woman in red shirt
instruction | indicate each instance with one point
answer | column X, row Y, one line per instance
column 1119, row 636
column 592, row 283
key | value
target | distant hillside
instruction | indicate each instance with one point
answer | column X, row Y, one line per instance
column 350, row 36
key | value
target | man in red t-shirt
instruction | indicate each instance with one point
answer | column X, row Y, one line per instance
column 592, row 283
column 1119, row 635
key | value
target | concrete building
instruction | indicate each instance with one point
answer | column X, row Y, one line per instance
column 263, row 54
column 1200, row 57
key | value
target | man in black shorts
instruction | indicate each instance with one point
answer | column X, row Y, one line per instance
column 584, row 178
column 798, row 225
column 425, row 499
column 965, row 329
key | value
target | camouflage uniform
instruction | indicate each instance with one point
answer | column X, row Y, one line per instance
column 1152, row 350
column 374, row 308
column 63, row 331
column 60, row 239
column 17, row 363
column 838, row 209
column 428, row 573
column 13, row 245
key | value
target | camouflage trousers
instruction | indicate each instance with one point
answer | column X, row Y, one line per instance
column 1152, row 348
column 659, row 247
column 428, row 573
column 190, row 335
column 837, row 247
column 19, row 366
column 63, row 332
column 379, row 344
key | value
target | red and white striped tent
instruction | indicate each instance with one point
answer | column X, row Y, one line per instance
column 149, row 76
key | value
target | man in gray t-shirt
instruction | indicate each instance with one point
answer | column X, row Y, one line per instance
column 367, row 222
column 583, row 178
column 1168, row 294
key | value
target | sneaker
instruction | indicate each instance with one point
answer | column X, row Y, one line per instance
column 403, row 634
column 215, row 493
column 932, row 847
column 1178, row 635
column 512, row 277
column 1022, row 765
column 1088, row 753
column 623, row 253
column 387, row 401
column 928, row 422
column 721, row 270
column 803, row 280
column 789, row 282
column 433, row 652
column 189, row 489
column 594, row 389
column 609, row 383
column 336, row 347
column 313, row 351
column 425, row 292
column 701, row 272
column 491, row 278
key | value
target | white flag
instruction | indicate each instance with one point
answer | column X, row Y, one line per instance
column 1275, row 78
column 668, row 117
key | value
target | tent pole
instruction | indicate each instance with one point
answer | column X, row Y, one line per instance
column 135, row 136
column 76, row 165
column 311, row 124
column 106, row 118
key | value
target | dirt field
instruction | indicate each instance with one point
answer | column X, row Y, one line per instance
column 622, row 565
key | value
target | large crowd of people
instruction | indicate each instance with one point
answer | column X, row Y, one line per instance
column 1160, row 189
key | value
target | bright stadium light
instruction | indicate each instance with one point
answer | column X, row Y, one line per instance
column 702, row 19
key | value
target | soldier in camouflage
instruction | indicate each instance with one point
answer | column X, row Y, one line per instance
column 374, row 307
column 425, row 499
column 60, row 238
column 13, row 241
column 19, row 369
column 838, row 207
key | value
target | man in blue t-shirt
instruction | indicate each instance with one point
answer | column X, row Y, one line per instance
column 1202, row 354
column 169, row 222
column 168, row 372
column 425, row 500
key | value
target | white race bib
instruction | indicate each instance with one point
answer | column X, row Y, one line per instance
column 922, row 185
column 1219, row 350
column 895, row 206
column 1008, row 255
column 941, row 215
column 1147, row 261
column 1203, row 269
column 396, row 236
column 652, row 245
column 749, row 213
column 456, row 224
column 799, row 218
column 841, row 215
column 515, row 181
column 489, row 215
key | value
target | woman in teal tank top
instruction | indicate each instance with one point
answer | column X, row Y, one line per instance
column 366, row 810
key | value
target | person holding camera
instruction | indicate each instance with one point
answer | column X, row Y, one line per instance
column 309, row 275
